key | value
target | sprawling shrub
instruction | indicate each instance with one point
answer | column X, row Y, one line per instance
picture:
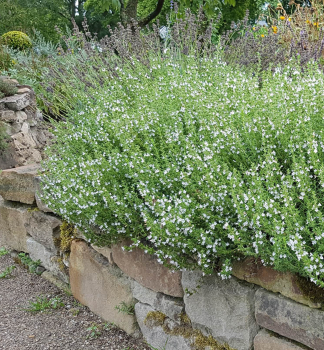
column 196, row 164
column 17, row 40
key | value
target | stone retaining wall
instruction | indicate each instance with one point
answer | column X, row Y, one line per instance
column 257, row 308
column 23, row 122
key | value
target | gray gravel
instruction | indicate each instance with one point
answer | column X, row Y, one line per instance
column 54, row 329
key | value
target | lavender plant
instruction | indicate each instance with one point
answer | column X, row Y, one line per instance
column 196, row 165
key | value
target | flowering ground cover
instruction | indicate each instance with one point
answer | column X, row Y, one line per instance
column 197, row 164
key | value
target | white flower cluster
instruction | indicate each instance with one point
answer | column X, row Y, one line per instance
column 197, row 165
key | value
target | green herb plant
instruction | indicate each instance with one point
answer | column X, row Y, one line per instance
column 30, row 264
column 125, row 308
column 7, row 272
column 3, row 251
column 44, row 303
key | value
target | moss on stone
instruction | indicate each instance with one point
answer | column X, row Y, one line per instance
column 310, row 290
column 67, row 234
column 202, row 341
column 185, row 330
column 154, row 319
column 184, row 318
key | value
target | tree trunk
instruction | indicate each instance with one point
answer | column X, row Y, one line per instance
column 128, row 14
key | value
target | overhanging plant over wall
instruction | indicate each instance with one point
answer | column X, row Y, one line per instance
column 189, row 158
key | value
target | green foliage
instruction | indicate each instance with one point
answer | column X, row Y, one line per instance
column 7, row 272
column 3, row 136
column 3, row 251
column 42, row 15
column 94, row 332
column 17, row 40
column 43, row 303
column 6, row 61
column 125, row 308
column 196, row 164
column 30, row 264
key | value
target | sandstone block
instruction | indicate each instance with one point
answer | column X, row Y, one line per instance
column 12, row 225
column 7, row 158
column 145, row 269
column 18, row 184
column 290, row 319
column 225, row 307
column 154, row 333
column 267, row 341
column 50, row 261
column 100, row 286
column 17, row 102
column 171, row 307
column 25, row 148
column 45, row 229
column 285, row 283
column 23, row 90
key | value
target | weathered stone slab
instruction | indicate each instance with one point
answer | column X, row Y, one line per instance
column 44, row 228
column 20, row 116
column 225, row 307
column 100, row 286
column 169, row 306
column 25, row 147
column 17, row 102
column 12, row 225
column 285, row 283
column 105, row 251
column 145, row 269
column 267, row 341
column 18, row 184
column 8, row 116
column 154, row 334
column 290, row 319
column 23, row 90
column 49, row 260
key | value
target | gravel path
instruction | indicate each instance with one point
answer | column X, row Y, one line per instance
column 66, row 327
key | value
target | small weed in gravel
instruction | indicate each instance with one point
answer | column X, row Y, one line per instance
column 94, row 331
column 3, row 251
column 42, row 303
column 7, row 272
column 30, row 264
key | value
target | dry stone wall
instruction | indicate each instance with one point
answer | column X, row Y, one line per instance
column 258, row 308
column 23, row 122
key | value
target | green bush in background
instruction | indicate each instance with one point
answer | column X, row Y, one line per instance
column 17, row 40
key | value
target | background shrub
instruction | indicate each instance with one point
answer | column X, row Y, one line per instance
column 17, row 40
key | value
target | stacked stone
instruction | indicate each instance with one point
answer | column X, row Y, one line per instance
column 23, row 123
column 24, row 227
